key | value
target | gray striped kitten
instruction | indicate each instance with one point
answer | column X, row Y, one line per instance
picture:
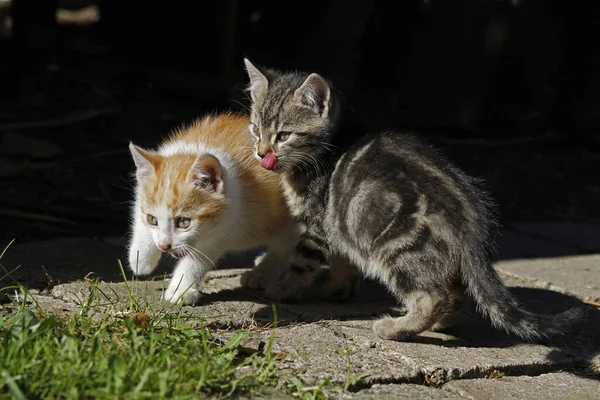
column 389, row 204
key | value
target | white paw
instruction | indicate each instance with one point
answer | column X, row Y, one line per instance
column 139, row 270
column 187, row 296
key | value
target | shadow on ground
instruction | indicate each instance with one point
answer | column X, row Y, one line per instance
column 581, row 343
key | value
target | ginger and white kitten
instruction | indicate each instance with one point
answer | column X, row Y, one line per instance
column 201, row 195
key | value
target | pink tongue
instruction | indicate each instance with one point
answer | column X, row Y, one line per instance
column 269, row 162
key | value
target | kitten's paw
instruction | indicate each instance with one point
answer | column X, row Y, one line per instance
column 389, row 328
column 256, row 279
column 186, row 297
column 290, row 289
column 326, row 288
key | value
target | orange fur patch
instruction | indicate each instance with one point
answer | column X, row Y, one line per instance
column 264, row 207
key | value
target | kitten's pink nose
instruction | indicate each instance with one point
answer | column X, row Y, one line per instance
column 164, row 247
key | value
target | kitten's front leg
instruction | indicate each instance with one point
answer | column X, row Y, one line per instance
column 280, row 250
column 306, row 263
column 143, row 253
column 187, row 277
column 340, row 282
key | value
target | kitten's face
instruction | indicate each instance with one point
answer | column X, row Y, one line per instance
column 181, row 198
column 290, row 117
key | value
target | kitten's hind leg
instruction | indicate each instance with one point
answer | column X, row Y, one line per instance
column 457, row 304
column 424, row 310
column 268, row 265
column 338, row 283
column 143, row 253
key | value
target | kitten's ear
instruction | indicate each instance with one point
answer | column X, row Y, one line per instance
column 144, row 161
column 315, row 94
column 206, row 173
column 258, row 81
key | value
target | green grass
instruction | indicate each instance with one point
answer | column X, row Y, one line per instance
column 98, row 355
column 114, row 358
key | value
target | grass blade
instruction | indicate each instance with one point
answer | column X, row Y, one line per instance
column 12, row 385
column 6, row 248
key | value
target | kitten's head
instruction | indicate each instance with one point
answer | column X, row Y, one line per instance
column 292, row 119
column 182, row 197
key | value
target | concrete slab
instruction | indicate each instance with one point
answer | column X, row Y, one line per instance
column 351, row 352
column 264, row 393
column 579, row 234
column 555, row 386
column 222, row 296
column 395, row 391
column 232, row 311
column 577, row 275
column 329, row 340
column 330, row 332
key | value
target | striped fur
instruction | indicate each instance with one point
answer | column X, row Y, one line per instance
column 388, row 204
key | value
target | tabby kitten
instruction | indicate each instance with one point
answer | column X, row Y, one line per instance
column 389, row 204
column 202, row 195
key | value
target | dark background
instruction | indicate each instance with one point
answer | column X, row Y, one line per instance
column 509, row 90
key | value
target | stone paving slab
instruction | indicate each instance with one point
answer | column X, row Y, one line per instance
column 326, row 339
column 265, row 393
column 232, row 311
column 555, row 386
column 575, row 275
column 335, row 340
column 223, row 297
column 396, row 391
column 328, row 349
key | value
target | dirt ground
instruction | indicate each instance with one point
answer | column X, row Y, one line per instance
column 65, row 169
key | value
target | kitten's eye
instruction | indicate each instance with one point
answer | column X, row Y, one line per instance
column 151, row 219
column 254, row 130
column 283, row 136
column 183, row 222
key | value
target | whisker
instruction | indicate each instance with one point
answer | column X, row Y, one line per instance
column 328, row 146
column 194, row 257
column 187, row 250
column 244, row 106
column 198, row 252
column 131, row 185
